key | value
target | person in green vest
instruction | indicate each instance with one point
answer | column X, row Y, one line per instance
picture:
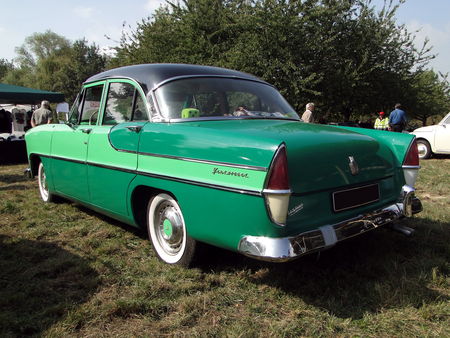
column 381, row 123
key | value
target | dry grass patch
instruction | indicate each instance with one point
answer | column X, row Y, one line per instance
column 68, row 271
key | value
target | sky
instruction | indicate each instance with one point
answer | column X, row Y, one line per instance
column 93, row 20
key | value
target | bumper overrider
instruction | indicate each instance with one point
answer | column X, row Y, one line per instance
column 289, row 248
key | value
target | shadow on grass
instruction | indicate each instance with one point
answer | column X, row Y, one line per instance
column 13, row 178
column 379, row 270
column 14, row 188
column 365, row 275
column 39, row 284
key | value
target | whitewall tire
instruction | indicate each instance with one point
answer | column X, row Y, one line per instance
column 167, row 231
column 46, row 195
column 424, row 149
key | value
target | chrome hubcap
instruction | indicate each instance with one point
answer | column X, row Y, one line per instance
column 169, row 227
column 421, row 149
column 43, row 183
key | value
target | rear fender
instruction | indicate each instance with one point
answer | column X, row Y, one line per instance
column 398, row 143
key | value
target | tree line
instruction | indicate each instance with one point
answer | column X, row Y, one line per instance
column 349, row 58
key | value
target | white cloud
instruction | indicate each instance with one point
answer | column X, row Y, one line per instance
column 439, row 39
column 97, row 34
column 84, row 12
column 152, row 5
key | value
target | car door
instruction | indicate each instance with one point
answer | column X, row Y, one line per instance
column 70, row 145
column 442, row 136
column 113, row 146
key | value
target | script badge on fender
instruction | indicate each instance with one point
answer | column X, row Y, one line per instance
column 353, row 165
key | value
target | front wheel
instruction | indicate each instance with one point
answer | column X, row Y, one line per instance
column 46, row 195
column 167, row 231
column 424, row 149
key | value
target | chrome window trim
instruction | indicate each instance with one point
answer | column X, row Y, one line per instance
column 161, row 118
column 227, row 118
column 181, row 77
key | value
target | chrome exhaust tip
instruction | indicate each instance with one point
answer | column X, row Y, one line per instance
column 407, row 231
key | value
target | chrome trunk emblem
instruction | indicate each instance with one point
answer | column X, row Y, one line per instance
column 353, row 165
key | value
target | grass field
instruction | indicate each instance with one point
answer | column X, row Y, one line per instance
column 67, row 271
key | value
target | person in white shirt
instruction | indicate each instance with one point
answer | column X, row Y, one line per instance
column 308, row 116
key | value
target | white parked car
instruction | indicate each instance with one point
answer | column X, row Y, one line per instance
column 434, row 139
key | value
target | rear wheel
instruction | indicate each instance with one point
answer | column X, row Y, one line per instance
column 424, row 149
column 167, row 231
column 46, row 195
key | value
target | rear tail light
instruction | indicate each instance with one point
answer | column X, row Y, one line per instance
column 412, row 157
column 277, row 191
column 411, row 164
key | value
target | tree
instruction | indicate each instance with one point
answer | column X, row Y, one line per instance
column 431, row 95
column 49, row 61
column 5, row 67
column 83, row 61
column 345, row 55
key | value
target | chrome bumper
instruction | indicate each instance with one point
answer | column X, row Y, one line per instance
column 288, row 248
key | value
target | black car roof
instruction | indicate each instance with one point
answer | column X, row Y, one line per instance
column 150, row 75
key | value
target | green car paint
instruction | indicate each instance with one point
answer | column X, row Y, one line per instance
column 167, row 228
column 216, row 170
column 182, row 170
column 215, row 216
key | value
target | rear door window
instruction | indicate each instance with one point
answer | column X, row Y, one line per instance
column 124, row 103
column 91, row 105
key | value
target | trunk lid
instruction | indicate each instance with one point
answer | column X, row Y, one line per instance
column 320, row 157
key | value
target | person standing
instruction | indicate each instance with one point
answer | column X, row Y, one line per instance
column 397, row 119
column 308, row 116
column 382, row 122
column 43, row 115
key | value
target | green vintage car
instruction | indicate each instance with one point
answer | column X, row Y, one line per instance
column 205, row 154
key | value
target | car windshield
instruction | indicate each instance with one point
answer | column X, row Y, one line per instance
column 209, row 97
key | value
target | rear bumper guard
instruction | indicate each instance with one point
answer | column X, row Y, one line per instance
column 288, row 248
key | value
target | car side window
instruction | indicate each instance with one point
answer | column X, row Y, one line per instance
column 91, row 104
column 75, row 112
column 140, row 111
column 119, row 104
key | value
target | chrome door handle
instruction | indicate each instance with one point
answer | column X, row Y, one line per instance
column 136, row 129
column 86, row 130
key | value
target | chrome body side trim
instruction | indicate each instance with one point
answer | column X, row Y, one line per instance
column 282, row 192
column 188, row 159
column 289, row 248
column 201, row 184
column 159, row 176
column 410, row 166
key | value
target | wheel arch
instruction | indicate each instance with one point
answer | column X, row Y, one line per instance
column 430, row 142
column 34, row 163
column 140, row 197
column 427, row 143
